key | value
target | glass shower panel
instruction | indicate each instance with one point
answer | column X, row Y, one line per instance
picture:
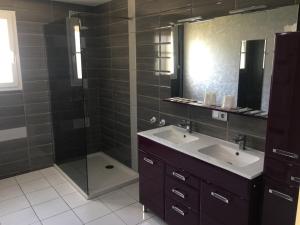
column 67, row 99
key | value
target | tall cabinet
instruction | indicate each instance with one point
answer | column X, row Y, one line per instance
column 282, row 162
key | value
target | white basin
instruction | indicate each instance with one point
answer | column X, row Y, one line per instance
column 176, row 136
column 229, row 155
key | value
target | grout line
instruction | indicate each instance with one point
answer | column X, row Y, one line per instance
column 28, row 201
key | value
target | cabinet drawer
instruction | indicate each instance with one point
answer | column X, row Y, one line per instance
column 280, row 204
column 178, row 214
column 182, row 193
column 224, row 207
column 183, row 176
column 283, row 172
column 150, row 166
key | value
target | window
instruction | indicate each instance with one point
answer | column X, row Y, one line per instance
column 243, row 55
column 75, row 45
column 78, row 51
column 10, row 71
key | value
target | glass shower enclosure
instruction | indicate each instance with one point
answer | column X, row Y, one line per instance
column 75, row 85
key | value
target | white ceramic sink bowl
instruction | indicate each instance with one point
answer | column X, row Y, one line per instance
column 229, row 155
column 176, row 136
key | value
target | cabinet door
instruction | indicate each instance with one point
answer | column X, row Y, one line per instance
column 280, row 204
column 151, row 171
column 223, row 206
column 284, row 121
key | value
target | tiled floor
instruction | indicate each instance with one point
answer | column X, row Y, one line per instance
column 45, row 197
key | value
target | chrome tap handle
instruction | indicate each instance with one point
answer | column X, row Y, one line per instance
column 162, row 123
column 153, row 120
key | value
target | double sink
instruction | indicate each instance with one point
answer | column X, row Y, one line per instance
column 246, row 163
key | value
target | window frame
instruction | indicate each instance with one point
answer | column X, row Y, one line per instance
column 14, row 44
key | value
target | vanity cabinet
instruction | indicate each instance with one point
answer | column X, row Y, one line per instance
column 282, row 161
column 184, row 190
column 152, row 182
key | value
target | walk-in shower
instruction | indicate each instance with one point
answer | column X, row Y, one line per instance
column 78, row 60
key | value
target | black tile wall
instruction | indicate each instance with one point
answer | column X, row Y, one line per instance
column 109, row 68
column 30, row 107
column 153, row 87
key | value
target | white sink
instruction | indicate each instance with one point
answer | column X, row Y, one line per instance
column 229, row 155
column 176, row 136
column 226, row 155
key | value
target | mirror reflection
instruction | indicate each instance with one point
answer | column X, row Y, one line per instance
column 231, row 55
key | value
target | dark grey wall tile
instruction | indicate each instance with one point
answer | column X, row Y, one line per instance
column 12, row 122
column 12, row 111
column 13, row 168
column 248, row 125
column 12, row 99
column 12, row 145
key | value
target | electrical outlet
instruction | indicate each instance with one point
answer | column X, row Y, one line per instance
column 217, row 115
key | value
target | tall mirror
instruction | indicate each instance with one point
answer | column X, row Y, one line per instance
column 231, row 55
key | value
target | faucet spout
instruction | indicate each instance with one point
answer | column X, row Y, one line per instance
column 241, row 140
column 186, row 124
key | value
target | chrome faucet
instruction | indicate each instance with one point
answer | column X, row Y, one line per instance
column 241, row 140
column 186, row 124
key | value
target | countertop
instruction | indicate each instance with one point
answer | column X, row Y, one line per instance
column 250, row 171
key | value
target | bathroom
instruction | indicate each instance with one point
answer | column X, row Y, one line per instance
column 129, row 112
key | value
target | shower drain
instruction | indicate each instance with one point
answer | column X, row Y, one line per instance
column 109, row 167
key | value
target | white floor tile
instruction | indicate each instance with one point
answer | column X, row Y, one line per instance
column 23, row 217
column 10, row 192
column 75, row 199
column 37, row 223
column 133, row 191
column 153, row 221
column 67, row 218
column 35, row 185
column 133, row 214
column 7, row 182
column 91, row 211
column 56, row 179
column 51, row 208
column 117, row 200
column 27, row 177
column 13, row 205
column 41, row 196
column 110, row 219
column 49, row 171
column 64, row 189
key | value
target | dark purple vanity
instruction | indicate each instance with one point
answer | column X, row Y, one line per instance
column 184, row 190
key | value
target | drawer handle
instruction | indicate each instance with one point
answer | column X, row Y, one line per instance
column 179, row 176
column 220, row 197
column 149, row 161
column 178, row 210
column 295, row 179
column 281, row 195
column 285, row 153
column 178, row 193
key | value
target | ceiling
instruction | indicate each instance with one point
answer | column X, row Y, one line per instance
column 85, row 2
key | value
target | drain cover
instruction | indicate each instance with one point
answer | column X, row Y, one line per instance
column 109, row 167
